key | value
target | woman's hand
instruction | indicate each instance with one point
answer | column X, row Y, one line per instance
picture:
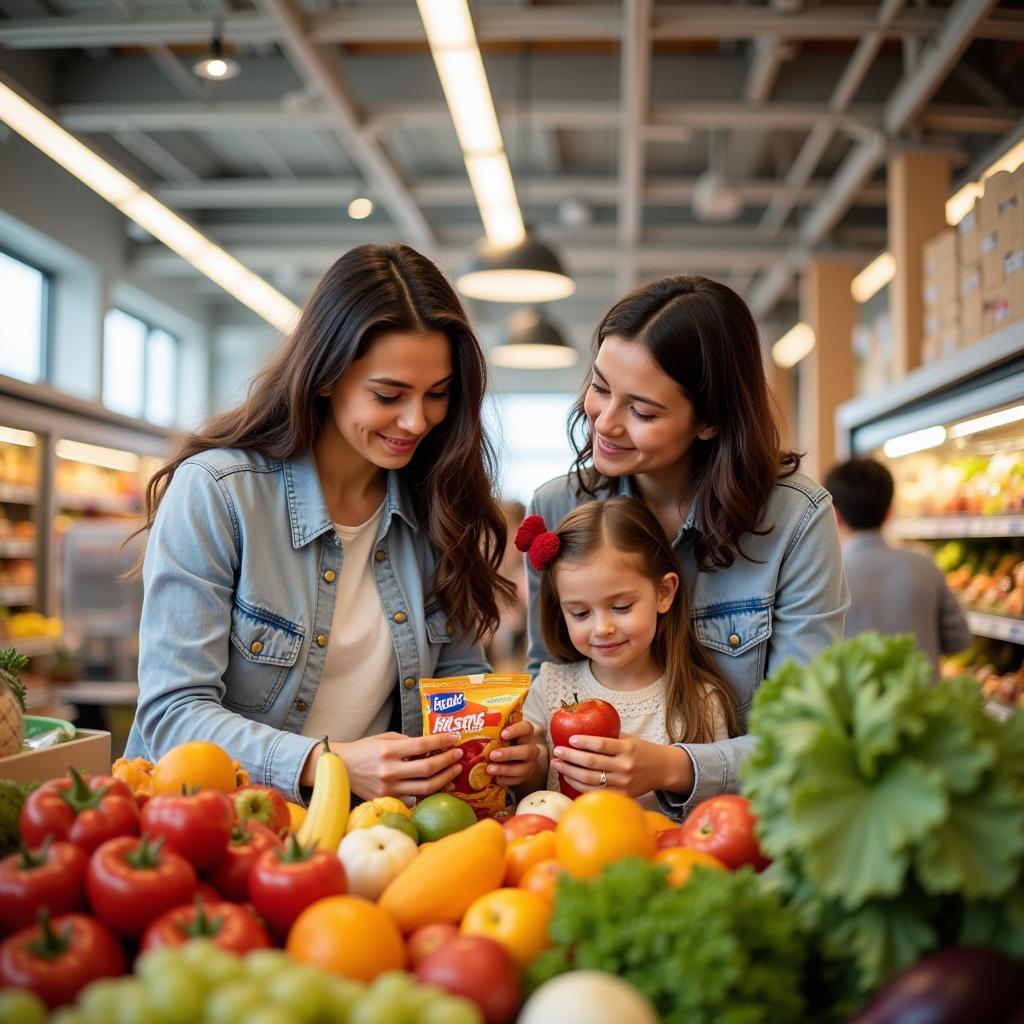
column 514, row 764
column 391, row 764
column 631, row 765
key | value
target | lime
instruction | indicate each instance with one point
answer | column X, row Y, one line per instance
column 440, row 815
column 402, row 823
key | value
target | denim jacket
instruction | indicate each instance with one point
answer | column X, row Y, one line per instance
column 240, row 587
column 786, row 599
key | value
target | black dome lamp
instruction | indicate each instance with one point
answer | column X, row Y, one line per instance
column 523, row 271
column 215, row 66
column 532, row 342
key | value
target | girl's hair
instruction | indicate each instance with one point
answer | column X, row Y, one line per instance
column 370, row 290
column 629, row 528
column 703, row 336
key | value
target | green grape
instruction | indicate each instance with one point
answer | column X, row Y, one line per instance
column 342, row 995
column 270, row 1015
column 65, row 1015
column 262, row 964
column 98, row 1001
column 381, row 1007
column 19, row 1006
column 423, row 995
column 176, row 992
column 219, row 967
column 234, row 1002
column 133, row 1005
column 156, row 961
column 451, row 1010
column 302, row 990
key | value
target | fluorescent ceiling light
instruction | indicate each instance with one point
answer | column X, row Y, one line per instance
column 135, row 202
column 874, row 277
column 464, row 82
column 23, row 437
column 959, row 204
column 794, row 345
column 988, row 422
column 916, row 441
column 95, row 455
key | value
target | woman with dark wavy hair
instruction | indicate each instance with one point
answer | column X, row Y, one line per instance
column 676, row 411
column 318, row 549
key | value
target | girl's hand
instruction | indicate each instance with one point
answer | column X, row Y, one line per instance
column 631, row 765
column 391, row 764
column 514, row 764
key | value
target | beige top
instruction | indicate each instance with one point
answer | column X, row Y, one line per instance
column 642, row 712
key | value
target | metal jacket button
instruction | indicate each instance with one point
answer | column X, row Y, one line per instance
column 321, row 640
column 408, row 682
column 330, row 575
column 300, row 705
column 379, row 555
column 256, row 647
column 734, row 640
column 399, row 616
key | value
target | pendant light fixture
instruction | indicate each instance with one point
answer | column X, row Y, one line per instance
column 522, row 271
column 215, row 66
column 532, row 342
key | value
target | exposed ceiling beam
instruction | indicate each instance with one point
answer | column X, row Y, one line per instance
column 634, row 91
column 321, row 71
column 387, row 24
column 907, row 100
column 157, row 157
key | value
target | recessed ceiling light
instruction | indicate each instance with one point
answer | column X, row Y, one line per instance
column 360, row 208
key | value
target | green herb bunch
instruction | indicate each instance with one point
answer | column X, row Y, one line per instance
column 718, row 950
column 892, row 805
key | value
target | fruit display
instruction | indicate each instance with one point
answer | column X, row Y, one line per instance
column 987, row 577
column 969, row 484
column 996, row 665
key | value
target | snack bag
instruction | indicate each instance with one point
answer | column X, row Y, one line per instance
column 476, row 708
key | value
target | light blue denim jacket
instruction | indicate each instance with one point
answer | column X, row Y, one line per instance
column 786, row 599
column 240, row 584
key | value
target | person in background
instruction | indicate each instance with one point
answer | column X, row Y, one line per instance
column 506, row 649
column 892, row 590
column 315, row 551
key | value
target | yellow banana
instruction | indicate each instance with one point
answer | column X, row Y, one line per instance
column 327, row 817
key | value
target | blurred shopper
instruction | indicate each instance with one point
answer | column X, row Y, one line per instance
column 676, row 411
column 892, row 590
column 316, row 550
column 506, row 649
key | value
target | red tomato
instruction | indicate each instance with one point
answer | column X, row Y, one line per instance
column 476, row 968
column 283, row 882
column 520, row 825
column 593, row 717
column 87, row 810
column 724, row 827
column 57, row 959
column 230, row 875
column 230, row 926
column 131, row 881
column 53, row 876
column 196, row 825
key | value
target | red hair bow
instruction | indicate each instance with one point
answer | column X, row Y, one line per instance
column 540, row 544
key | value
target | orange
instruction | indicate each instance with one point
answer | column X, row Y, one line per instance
column 515, row 918
column 599, row 829
column 542, row 878
column 522, row 853
column 681, row 862
column 197, row 763
column 659, row 822
column 347, row 935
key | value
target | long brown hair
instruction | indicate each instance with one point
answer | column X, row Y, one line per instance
column 371, row 289
column 627, row 527
column 702, row 334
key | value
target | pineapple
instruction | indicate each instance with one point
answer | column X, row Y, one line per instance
column 12, row 702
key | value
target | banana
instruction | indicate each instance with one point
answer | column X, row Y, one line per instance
column 327, row 817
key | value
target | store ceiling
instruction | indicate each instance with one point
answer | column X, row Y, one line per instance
column 610, row 113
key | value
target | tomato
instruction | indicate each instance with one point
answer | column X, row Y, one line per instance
column 53, row 876
column 87, row 810
column 520, row 825
column 542, row 878
column 131, row 881
column 724, row 827
column 230, row 926
column 283, row 882
column 593, row 717
column 57, row 959
column 479, row 969
column 522, row 854
column 230, row 874
column 600, row 828
column 681, row 861
column 196, row 825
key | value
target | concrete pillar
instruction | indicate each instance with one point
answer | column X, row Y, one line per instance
column 826, row 375
column 918, row 189
column 782, row 385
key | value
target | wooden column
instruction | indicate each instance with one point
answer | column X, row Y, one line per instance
column 827, row 375
column 782, row 384
column 917, row 192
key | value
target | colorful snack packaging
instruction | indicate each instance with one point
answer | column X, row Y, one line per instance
column 476, row 708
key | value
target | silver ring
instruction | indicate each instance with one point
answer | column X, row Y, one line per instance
column 604, row 779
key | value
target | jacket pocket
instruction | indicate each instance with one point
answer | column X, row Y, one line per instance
column 266, row 646
column 439, row 631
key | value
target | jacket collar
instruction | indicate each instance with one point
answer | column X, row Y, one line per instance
column 626, row 488
column 307, row 509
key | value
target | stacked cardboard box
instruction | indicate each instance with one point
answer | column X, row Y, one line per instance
column 1001, row 247
column 941, row 288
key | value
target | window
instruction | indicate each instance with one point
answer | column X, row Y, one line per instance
column 140, row 366
column 24, row 299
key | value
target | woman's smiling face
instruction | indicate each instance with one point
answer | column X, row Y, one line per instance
column 640, row 420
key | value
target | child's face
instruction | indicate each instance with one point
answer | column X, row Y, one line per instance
column 611, row 609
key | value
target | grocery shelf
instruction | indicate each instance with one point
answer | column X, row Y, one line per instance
column 998, row 627
column 17, row 547
column 926, row 527
column 18, row 494
column 115, row 503
column 17, row 595
column 32, row 646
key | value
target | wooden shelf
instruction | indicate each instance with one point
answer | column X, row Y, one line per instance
column 18, row 494
column 930, row 527
column 18, row 547
column 117, row 504
column 17, row 595
column 32, row 646
column 998, row 627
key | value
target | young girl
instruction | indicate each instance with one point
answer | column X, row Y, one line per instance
column 614, row 616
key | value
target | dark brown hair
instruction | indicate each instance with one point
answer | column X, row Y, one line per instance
column 703, row 336
column 629, row 528
column 371, row 289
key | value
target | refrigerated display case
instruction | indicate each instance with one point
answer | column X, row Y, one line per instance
column 952, row 434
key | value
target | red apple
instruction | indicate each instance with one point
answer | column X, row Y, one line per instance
column 520, row 825
column 427, row 938
column 724, row 827
column 479, row 969
column 592, row 717
column 668, row 838
column 263, row 805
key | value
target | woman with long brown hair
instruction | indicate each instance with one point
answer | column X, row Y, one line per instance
column 676, row 412
column 318, row 549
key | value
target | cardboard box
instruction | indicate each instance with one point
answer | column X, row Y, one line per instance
column 971, row 318
column 89, row 752
column 992, row 253
column 940, row 319
column 935, row 347
column 970, row 235
column 997, row 310
column 998, row 187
